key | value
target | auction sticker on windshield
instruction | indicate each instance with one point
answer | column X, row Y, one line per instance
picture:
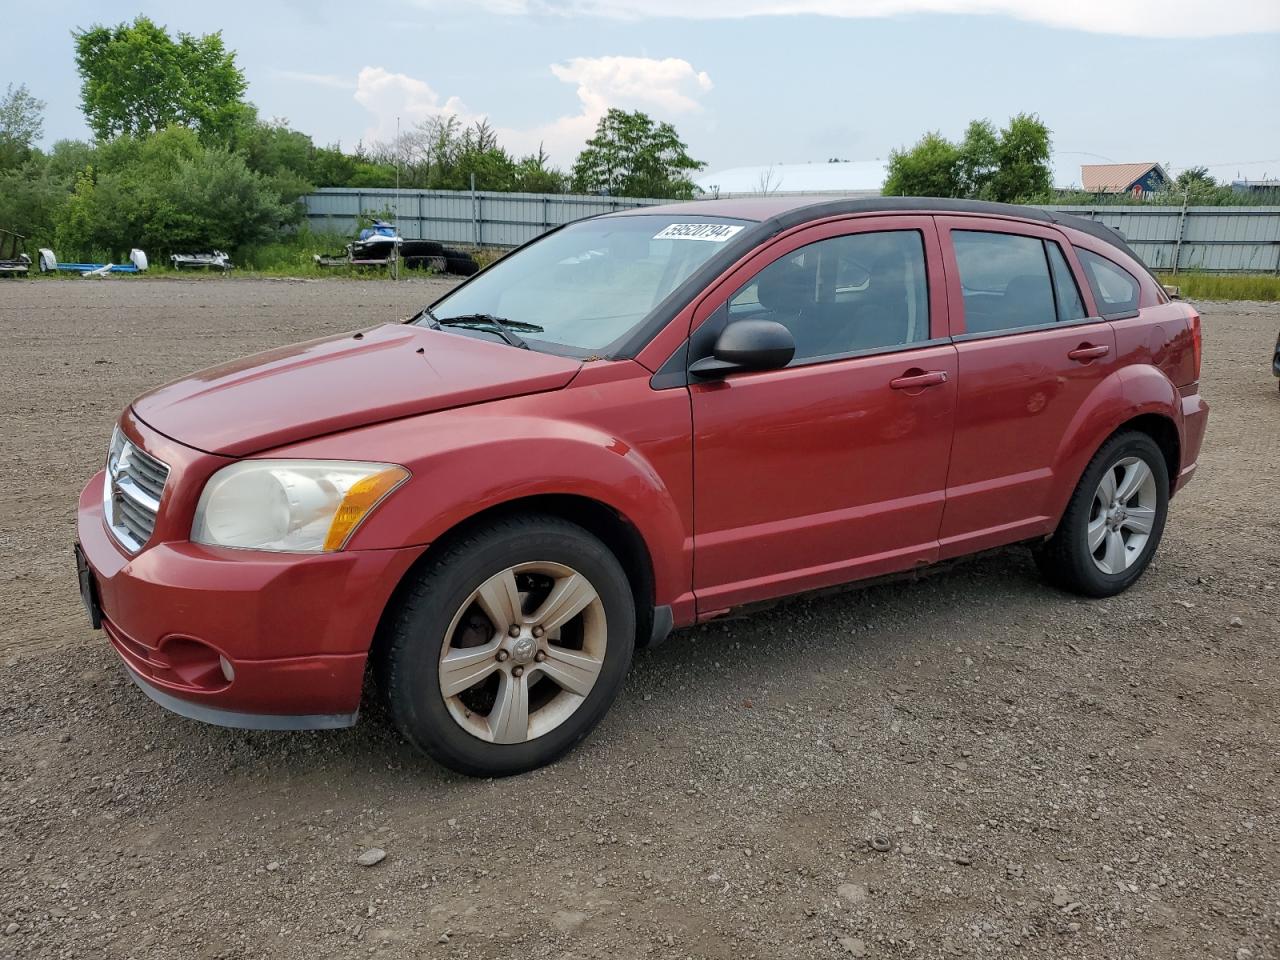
column 714, row 232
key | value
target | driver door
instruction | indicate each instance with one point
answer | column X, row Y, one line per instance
column 834, row 467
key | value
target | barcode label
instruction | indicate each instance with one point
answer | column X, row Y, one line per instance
column 712, row 232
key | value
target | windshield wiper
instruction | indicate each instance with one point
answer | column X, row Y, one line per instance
column 486, row 321
column 490, row 318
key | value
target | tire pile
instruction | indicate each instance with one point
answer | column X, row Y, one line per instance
column 432, row 255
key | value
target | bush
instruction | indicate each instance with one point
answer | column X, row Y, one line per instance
column 168, row 193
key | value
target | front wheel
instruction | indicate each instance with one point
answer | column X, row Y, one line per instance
column 510, row 647
column 1114, row 521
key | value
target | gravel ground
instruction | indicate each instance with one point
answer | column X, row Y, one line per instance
column 972, row 765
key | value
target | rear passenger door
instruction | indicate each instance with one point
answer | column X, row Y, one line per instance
column 1029, row 356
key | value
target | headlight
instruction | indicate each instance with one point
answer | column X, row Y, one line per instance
column 304, row 506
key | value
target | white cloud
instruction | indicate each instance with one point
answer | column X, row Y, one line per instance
column 1146, row 18
column 669, row 84
column 389, row 95
column 664, row 88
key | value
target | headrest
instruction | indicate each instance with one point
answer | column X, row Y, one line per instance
column 785, row 287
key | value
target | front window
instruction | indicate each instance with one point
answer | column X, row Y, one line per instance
column 591, row 284
column 863, row 291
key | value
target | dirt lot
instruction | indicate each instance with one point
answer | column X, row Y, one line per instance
column 1050, row 776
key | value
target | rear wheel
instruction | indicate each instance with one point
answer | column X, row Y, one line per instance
column 1114, row 521
column 510, row 648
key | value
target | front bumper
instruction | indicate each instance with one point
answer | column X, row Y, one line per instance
column 294, row 629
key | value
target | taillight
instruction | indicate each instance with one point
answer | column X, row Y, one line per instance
column 1197, row 347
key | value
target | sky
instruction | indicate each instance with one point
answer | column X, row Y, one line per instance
column 745, row 82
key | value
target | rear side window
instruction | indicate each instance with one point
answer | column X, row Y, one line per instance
column 1113, row 286
column 1070, row 306
column 1005, row 279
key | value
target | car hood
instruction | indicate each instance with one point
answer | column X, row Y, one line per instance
column 335, row 383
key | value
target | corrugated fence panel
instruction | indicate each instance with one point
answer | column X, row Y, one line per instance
column 1226, row 239
column 459, row 217
column 1236, row 239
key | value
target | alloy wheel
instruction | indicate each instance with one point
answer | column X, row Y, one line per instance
column 1122, row 515
column 523, row 652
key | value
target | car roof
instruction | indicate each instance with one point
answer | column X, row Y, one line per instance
column 783, row 212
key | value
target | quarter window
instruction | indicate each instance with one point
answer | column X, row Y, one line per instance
column 1005, row 280
column 1113, row 286
column 863, row 291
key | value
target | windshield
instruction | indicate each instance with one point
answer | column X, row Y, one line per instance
column 593, row 282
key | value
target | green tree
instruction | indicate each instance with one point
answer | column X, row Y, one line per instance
column 137, row 79
column 166, row 192
column 31, row 199
column 214, row 200
column 68, row 157
column 330, row 167
column 76, row 229
column 1195, row 179
column 21, row 124
column 1023, row 174
column 534, row 174
column 979, row 160
column 1198, row 187
column 631, row 156
column 1010, row 166
column 931, row 168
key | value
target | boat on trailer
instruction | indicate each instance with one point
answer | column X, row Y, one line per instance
column 378, row 241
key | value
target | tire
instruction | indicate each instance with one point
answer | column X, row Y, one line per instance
column 1130, row 532
column 416, row 249
column 463, row 265
column 476, row 729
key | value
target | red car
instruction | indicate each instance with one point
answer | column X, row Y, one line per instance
column 637, row 422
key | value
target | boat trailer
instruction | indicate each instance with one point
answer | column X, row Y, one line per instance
column 13, row 259
column 137, row 264
column 218, row 260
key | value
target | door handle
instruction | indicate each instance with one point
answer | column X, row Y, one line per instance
column 916, row 379
column 1086, row 352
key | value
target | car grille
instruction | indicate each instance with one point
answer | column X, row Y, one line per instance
column 135, row 484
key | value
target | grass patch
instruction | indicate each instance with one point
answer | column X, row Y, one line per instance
column 1224, row 286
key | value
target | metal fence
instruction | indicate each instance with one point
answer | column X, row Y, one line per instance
column 479, row 219
column 1171, row 239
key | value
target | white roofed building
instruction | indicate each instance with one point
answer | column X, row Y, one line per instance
column 845, row 178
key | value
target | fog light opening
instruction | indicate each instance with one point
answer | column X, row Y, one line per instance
column 228, row 671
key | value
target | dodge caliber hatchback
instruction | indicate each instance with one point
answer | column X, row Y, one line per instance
column 637, row 422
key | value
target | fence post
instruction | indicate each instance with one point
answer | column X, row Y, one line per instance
column 475, row 212
column 1182, row 229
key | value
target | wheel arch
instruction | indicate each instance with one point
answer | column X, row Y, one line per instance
column 615, row 530
column 1155, row 423
column 1138, row 397
column 1161, row 428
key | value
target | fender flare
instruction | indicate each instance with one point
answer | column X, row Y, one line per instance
column 1125, row 395
column 469, row 472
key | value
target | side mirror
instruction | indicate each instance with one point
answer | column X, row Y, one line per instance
column 748, row 345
